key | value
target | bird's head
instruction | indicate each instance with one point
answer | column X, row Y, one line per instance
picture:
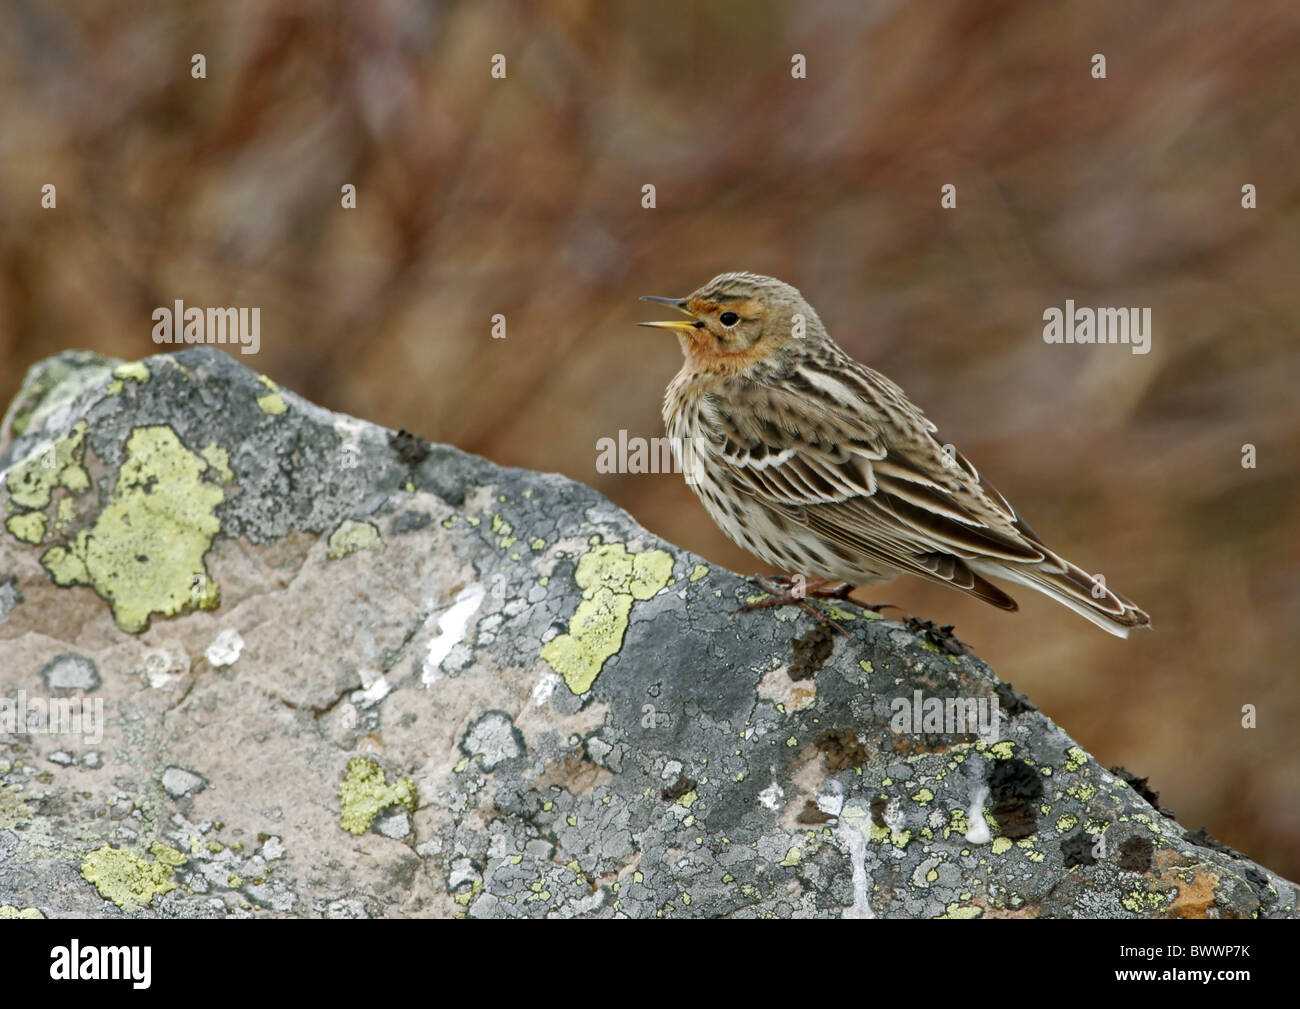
column 740, row 319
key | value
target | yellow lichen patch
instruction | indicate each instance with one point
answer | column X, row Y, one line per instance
column 698, row 572
column 65, row 511
column 1144, row 902
column 135, row 371
column 504, row 529
column 166, row 854
column 365, row 793
column 126, row 878
column 144, row 553
column 352, row 536
column 27, row 526
column 219, row 459
column 31, row 481
column 10, row 911
column 272, row 402
column 611, row 579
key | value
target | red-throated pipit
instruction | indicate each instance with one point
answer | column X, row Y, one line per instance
column 823, row 467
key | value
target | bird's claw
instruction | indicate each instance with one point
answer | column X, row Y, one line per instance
column 785, row 591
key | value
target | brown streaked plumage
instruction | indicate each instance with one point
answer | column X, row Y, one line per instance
column 823, row 467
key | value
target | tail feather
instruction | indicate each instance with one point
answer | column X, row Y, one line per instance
column 1071, row 586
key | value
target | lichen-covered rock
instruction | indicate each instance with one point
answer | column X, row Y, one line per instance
column 261, row 659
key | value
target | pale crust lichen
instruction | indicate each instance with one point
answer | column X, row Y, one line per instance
column 611, row 579
column 13, row 808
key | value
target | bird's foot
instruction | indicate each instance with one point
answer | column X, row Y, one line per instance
column 786, row 591
column 783, row 590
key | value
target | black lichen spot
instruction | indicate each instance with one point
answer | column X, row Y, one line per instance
column 1258, row 879
column 1140, row 786
column 410, row 448
column 1012, row 701
column 1015, row 789
column 1078, row 850
column 811, row 814
column 940, row 637
column 841, row 749
column 1135, row 854
column 677, row 789
column 811, row 652
column 1202, row 839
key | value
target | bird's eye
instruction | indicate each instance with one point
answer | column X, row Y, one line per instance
column 728, row 319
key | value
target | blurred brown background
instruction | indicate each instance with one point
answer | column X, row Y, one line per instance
column 523, row 196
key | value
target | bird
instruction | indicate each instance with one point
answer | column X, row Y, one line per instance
column 823, row 467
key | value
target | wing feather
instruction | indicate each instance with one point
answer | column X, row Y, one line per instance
column 851, row 458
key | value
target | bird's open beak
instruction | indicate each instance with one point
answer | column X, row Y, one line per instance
column 679, row 324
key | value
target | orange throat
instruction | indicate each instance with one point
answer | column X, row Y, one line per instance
column 704, row 358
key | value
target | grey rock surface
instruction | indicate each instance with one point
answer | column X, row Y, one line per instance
column 260, row 659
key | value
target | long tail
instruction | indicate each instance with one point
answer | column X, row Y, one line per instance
column 1071, row 586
